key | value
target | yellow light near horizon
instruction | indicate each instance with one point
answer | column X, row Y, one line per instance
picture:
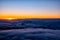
column 10, row 18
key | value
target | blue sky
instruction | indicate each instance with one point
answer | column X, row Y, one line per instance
column 30, row 7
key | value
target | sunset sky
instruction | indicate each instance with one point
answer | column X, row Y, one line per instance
column 29, row 9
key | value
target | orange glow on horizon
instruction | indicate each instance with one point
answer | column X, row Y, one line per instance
column 27, row 14
column 23, row 17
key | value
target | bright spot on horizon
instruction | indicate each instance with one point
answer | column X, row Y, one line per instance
column 10, row 18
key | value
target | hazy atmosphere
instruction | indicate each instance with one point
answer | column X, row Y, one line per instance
column 29, row 19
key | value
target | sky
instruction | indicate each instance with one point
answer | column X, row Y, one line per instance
column 29, row 8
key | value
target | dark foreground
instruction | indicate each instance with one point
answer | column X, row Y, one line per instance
column 30, row 29
column 30, row 23
column 30, row 34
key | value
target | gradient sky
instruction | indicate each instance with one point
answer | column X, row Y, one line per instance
column 29, row 8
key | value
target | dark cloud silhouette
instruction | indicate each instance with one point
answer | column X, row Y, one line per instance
column 30, row 29
column 30, row 23
column 30, row 34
